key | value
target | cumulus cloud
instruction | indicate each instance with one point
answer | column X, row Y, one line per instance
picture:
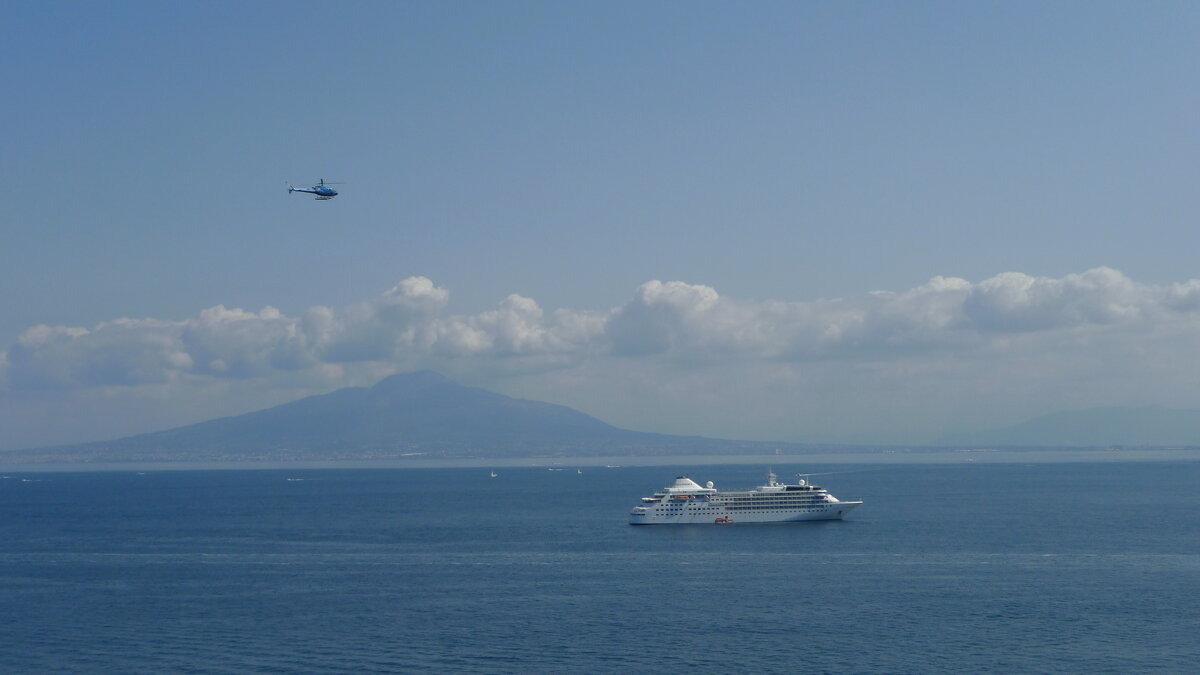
column 378, row 329
column 1019, row 302
column 236, row 343
column 951, row 347
column 121, row 352
column 409, row 326
column 662, row 317
column 403, row 325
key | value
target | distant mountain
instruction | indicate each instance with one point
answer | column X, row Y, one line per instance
column 420, row 413
column 427, row 415
column 1096, row 427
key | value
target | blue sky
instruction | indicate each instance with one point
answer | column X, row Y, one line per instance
column 780, row 155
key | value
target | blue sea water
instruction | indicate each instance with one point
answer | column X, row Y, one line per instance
column 999, row 568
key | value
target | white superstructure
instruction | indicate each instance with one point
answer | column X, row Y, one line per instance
column 688, row 502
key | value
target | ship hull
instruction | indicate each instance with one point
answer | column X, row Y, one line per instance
column 833, row 511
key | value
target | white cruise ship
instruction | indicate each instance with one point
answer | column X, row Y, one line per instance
column 688, row 502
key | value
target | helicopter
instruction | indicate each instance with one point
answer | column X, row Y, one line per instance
column 321, row 190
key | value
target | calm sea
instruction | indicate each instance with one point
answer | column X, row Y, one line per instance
column 1003, row 568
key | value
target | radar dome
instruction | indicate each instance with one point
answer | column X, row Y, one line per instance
column 709, row 484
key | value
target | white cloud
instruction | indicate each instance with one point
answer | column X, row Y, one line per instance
column 379, row 329
column 1019, row 302
column 235, row 343
column 672, row 320
column 1010, row 340
column 123, row 352
column 664, row 317
column 1183, row 297
column 695, row 322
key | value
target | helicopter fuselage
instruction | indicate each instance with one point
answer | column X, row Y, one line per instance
column 321, row 191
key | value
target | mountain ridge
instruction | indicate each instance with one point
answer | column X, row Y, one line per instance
column 426, row 414
column 421, row 413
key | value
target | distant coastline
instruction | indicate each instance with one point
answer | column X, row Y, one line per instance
column 423, row 419
column 881, row 458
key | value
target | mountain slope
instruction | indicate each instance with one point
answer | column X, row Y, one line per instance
column 413, row 413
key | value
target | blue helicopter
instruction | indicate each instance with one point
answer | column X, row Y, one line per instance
column 321, row 190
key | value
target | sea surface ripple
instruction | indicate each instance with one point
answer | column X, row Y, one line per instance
column 946, row 568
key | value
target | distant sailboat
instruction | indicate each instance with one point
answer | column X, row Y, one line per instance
column 494, row 474
column 578, row 470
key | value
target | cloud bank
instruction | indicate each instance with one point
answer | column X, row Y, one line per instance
column 1010, row 336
